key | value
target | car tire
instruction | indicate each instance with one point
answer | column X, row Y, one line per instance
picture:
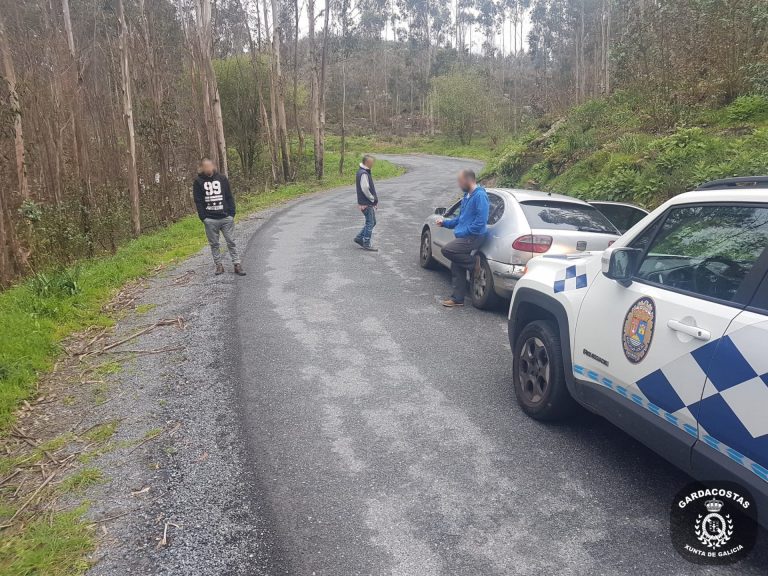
column 484, row 294
column 426, row 260
column 538, row 373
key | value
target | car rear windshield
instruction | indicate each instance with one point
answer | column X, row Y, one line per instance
column 566, row 216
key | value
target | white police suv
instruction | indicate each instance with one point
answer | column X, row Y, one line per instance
column 665, row 333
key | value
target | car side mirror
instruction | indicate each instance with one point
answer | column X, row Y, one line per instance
column 440, row 211
column 621, row 264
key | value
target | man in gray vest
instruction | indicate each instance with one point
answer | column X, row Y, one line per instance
column 367, row 201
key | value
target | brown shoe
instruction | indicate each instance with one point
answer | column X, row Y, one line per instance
column 239, row 270
column 219, row 269
column 451, row 303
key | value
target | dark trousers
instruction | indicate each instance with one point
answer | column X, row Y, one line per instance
column 370, row 221
column 459, row 252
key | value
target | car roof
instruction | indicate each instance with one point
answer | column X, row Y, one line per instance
column 524, row 195
column 722, row 195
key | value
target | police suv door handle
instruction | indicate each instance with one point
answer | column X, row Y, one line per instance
column 695, row 331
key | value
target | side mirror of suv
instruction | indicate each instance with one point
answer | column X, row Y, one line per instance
column 620, row 264
column 440, row 211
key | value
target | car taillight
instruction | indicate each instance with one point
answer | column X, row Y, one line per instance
column 533, row 243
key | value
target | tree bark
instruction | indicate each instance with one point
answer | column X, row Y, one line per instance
column 212, row 102
column 299, row 132
column 315, row 91
column 285, row 151
column 133, row 177
column 161, row 141
column 78, row 120
column 15, row 107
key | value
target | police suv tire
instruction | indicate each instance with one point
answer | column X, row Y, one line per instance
column 488, row 300
column 426, row 260
column 538, row 356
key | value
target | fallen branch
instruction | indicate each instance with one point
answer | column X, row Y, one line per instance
column 155, row 351
column 166, row 322
column 29, row 500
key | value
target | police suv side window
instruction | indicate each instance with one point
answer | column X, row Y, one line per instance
column 706, row 250
column 760, row 302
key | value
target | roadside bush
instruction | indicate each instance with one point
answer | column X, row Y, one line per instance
column 751, row 108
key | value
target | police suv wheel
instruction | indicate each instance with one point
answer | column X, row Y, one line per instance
column 425, row 252
column 539, row 379
column 484, row 294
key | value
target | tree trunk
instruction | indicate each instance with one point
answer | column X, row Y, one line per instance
column 272, row 101
column 320, row 151
column 80, row 149
column 253, row 49
column 15, row 108
column 285, row 151
column 156, row 95
column 315, row 103
column 343, row 146
column 133, row 177
column 299, row 132
column 212, row 101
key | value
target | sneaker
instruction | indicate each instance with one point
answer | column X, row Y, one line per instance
column 370, row 248
column 219, row 269
column 239, row 270
column 451, row 303
column 358, row 241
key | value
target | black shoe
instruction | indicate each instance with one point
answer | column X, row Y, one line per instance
column 239, row 270
column 370, row 248
column 358, row 241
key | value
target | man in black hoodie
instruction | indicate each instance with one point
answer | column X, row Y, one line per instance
column 216, row 209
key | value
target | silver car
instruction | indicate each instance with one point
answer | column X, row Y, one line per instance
column 521, row 225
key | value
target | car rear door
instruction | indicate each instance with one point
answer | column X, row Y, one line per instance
column 652, row 342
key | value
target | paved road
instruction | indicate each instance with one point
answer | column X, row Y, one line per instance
column 383, row 428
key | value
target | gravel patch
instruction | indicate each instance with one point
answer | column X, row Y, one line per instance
column 179, row 498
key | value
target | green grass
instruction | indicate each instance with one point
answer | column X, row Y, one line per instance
column 81, row 480
column 481, row 147
column 37, row 314
column 54, row 545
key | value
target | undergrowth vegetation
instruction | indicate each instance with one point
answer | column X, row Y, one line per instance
column 627, row 148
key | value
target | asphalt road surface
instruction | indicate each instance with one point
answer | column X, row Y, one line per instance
column 383, row 428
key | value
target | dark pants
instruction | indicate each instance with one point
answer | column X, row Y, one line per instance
column 459, row 252
column 370, row 221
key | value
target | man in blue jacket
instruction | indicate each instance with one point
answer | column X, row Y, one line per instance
column 469, row 228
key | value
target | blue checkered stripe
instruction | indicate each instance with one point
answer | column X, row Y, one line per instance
column 571, row 278
column 731, row 415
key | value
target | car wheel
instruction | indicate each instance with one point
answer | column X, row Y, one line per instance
column 539, row 378
column 425, row 253
column 484, row 294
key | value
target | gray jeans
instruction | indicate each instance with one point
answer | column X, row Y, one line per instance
column 225, row 226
